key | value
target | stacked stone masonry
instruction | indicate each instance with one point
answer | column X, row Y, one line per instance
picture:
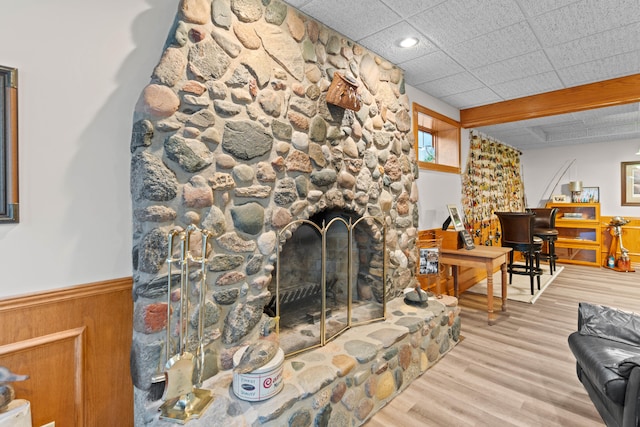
column 234, row 135
column 349, row 380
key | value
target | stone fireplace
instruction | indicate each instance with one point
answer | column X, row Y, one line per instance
column 233, row 135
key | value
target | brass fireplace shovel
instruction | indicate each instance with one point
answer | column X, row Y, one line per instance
column 182, row 401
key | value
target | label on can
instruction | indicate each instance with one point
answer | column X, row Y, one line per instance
column 255, row 387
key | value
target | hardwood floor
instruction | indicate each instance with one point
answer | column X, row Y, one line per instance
column 520, row 371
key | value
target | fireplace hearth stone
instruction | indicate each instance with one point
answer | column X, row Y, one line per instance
column 348, row 380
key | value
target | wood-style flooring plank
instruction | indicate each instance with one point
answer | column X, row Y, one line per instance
column 520, row 371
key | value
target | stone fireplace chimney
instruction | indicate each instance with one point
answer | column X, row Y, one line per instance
column 233, row 134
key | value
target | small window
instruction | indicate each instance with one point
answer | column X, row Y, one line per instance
column 426, row 149
column 437, row 140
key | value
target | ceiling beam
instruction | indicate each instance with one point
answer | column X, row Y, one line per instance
column 607, row 93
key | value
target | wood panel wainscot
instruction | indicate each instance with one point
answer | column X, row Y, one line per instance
column 630, row 238
column 443, row 284
column 74, row 344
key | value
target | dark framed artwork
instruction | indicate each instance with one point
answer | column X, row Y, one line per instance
column 8, row 144
column 630, row 183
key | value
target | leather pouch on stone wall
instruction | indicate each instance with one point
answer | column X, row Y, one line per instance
column 343, row 92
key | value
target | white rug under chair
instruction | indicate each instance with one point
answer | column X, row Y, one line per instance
column 520, row 287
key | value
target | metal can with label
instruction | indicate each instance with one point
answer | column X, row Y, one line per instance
column 260, row 384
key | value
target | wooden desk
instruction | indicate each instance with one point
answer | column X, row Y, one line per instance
column 489, row 257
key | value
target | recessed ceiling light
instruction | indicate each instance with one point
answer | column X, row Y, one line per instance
column 408, row 42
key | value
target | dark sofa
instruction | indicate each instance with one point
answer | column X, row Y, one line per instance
column 607, row 351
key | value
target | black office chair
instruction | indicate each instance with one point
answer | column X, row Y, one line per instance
column 544, row 227
column 517, row 233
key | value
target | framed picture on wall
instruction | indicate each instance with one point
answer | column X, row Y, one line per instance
column 630, row 183
column 8, row 144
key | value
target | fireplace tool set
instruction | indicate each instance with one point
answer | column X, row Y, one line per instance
column 183, row 370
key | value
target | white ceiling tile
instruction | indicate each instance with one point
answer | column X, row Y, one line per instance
column 548, row 121
column 537, row 7
column 472, row 98
column 565, row 127
column 455, row 21
column 530, row 85
column 515, row 68
column 406, row 8
column 524, row 134
column 604, row 129
column 602, row 69
column 505, row 43
column 355, row 18
column 624, row 112
column 584, row 18
column 592, row 134
column 385, row 43
column 463, row 82
column 597, row 46
column 430, row 67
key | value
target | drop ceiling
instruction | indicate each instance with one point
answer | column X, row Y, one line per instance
column 477, row 52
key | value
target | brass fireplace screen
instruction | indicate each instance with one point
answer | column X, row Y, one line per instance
column 330, row 276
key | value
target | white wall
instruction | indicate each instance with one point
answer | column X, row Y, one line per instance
column 596, row 165
column 81, row 66
column 436, row 190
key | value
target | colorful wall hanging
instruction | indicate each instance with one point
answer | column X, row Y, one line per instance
column 491, row 182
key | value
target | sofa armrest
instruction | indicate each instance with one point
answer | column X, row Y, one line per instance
column 631, row 414
column 609, row 323
column 627, row 365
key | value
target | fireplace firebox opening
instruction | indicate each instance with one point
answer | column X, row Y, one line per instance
column 329, row 276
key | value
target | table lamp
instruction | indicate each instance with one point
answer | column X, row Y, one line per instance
column 575, row 187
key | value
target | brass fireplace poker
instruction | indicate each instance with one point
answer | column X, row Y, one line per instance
column 182, row 399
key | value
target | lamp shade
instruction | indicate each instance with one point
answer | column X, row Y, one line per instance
column 575, row 186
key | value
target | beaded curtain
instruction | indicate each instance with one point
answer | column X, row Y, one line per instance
column 491, row 182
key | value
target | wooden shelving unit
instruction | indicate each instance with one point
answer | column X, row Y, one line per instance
column 579, row 234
